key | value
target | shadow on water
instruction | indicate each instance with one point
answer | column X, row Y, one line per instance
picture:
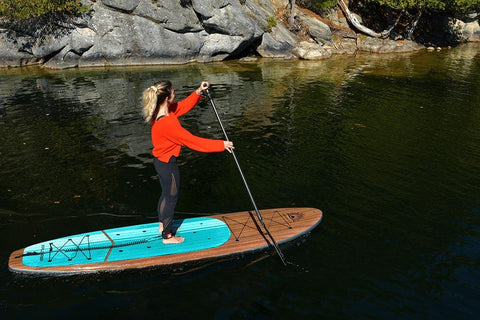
column 387, row 146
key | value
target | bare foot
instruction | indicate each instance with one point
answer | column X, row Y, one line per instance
column 173, row 240
column 160, row 227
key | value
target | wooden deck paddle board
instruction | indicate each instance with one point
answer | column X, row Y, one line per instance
column 141, row 246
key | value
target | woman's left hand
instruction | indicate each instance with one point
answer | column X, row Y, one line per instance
column 204, row 86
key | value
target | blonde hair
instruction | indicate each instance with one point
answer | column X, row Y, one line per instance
column 154, row 96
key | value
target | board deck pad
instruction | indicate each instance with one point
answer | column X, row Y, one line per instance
column 126, row 243
column 140, row 246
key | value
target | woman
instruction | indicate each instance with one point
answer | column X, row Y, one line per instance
column 168, row 136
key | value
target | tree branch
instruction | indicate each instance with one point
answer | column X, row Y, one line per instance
column 414, row 24
column 354, row 21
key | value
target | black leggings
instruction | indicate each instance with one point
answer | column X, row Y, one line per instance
column 169, row 177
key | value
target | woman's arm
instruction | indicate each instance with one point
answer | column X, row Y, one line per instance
column 181, row 136
column 187, row 104
column 181, row 107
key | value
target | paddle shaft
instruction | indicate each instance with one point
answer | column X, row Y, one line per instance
column 277, row 248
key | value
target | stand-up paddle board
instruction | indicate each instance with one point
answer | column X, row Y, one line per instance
column 140, row 246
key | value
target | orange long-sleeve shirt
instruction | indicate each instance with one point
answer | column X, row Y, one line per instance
column 168, row 135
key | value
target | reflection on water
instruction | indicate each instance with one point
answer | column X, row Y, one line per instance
column 388, row 146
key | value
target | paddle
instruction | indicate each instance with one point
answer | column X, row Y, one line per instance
column 277, row 248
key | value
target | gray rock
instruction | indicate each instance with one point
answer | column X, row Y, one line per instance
column 81, row 39
column 206, row 8
column 217, row 47
column 375, row 45
column 64, row 59
column 259, row 13
column 277, row 44
column 311, row 51
column 342, row 46
column 127, row 39
column 121, row 5
column 226, row 17
column 317, row 29
column 171, row 15
column 15, row 50
column 49, row 44
column 332, row 15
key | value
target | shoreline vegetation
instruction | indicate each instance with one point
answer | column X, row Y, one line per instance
column 60, row 34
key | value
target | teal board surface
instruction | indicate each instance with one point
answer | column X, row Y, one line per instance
column 126, row 243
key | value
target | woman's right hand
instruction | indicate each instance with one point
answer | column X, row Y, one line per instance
column 228, row 146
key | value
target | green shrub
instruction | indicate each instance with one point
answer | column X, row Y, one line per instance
column 453, row 6
column 271, row 23
column 317, row 5
column 24, row 9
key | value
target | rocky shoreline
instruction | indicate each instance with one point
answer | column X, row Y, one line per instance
column 149, row 32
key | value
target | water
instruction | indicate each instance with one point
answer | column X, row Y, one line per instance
column 387, row 146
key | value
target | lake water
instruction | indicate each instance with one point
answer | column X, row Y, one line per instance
column 388, row 146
